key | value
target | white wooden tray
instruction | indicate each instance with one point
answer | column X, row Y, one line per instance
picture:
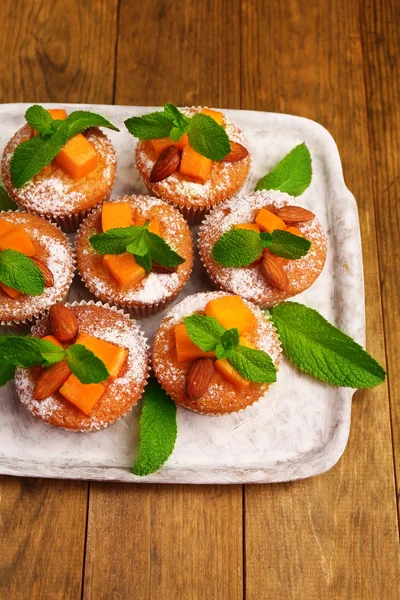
column 301, row 427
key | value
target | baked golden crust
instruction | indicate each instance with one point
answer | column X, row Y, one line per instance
column 221, row 397
column 52, row 192
column 120, row 396
column 54, row 249
column 154, row 289
column 226, row 179
column 249, row 282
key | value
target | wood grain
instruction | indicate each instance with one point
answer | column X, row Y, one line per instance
column 325, row 537
column 380, row 27
column 50, row 51
column 173, row 541
column 61, row 51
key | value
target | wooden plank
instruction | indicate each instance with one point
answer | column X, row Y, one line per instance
column 325, row 537
column 380, row 27
column 61, row 51
column 50, row 51
column 170, row 541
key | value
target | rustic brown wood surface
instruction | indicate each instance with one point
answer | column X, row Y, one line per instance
column 331, row 537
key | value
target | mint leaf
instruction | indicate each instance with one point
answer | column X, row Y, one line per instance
column 318, row 348
column 291, row 175
column 7, row 372
column 228, row 342
column 208, row 138
column 204, row 331
column 285, row 244
column 31, row 156
column 6, row 203
column 150, row 126
column 85, row 365
column 139, row 246
column 38, row 117
column 237, row 248
column 144, row 261
column 161, row 252
column 181, row 122
column 253, row 365
column 24, row 351
column 115, row 241
column 20, row 273
column 158, row 430
column 80, row 120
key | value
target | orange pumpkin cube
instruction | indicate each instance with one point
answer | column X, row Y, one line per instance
column 124, row 269
column 53, row 340
column 267, row 221
column 160, row 144
column 231, row 312
column 195, row 166
column 113, row 356
column 116, row 214
column 249, row 226
column 10, row 291
column 154, row 226
column 295, row 231
column 59, row 114
column 78, row 158
column 17, row 239
column 5, row 226
column 185, row 348
column 83, row 395
column 214, row 114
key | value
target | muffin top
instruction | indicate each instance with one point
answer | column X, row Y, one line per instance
column 250, row 282
column 225, row 178
column 52, row 248
column 120, row 395
column 54, row 193
column 154, row 287
column 221, row 396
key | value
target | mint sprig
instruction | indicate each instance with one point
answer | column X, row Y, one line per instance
column 25, row 351
column 19, row 272
column 318, row 348
column 139, row 241
column 205, row 135
column 292, row 174
column 158, row 430
column 208, row 335
column 33, row 155
column 6, row 202
column 241, row 247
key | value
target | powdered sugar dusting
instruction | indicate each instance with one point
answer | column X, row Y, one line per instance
column 249, row 282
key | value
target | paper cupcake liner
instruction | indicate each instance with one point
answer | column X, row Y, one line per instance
column 138, row 311
column 70, row 223
column 24, row 325
column 147, row 374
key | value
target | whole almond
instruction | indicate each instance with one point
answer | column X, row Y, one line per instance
column 47, row 274
column 167, row 163
column 198, row 378
column 294, row 214
column 274, row 272
column 238, row 152
column 157, row 268
column 51, row 380
column 63, row 323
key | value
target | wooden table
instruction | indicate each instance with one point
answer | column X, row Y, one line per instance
column 335, row 536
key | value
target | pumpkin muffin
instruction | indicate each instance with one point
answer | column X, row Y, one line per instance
column 118, row 278
column 52, row 253
column 54, row 193
column 260, row 212
column 175, row 355
column 119, row 343
column 198, row 183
